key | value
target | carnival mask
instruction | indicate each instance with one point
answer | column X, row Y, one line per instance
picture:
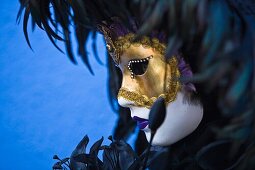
column 147, row 76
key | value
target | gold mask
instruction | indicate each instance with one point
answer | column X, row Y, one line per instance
column 146, row 75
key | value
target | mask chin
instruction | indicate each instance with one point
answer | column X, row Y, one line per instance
column 182, row 119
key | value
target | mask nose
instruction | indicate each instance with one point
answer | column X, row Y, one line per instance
column 128, row 84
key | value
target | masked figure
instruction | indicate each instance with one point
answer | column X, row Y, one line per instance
column 147, row 75
column 154, row 47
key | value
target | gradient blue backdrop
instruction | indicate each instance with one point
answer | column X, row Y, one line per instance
column 47, row 104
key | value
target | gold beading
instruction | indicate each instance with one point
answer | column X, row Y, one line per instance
column 116, row 48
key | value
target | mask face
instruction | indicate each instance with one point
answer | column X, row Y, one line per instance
column 146, row 76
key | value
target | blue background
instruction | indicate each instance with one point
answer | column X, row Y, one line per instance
column 47, row 104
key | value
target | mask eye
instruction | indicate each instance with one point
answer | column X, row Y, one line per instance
column 138, row 67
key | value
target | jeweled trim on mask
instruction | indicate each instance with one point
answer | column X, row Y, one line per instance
column 137, row 61
column 172, row 88
column 116, row 47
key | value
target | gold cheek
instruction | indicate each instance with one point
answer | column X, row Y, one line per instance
column 153, row 79
column 144, row 89
column 151, row 82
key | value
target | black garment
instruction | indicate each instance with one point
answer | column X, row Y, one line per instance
column 201, row 150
